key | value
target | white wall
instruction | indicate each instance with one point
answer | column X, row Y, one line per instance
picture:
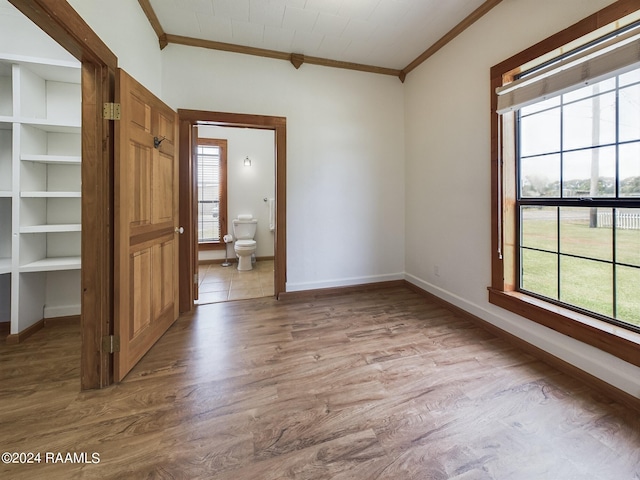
column 247, row 187
column 345, row 156
column 448, row 183
column 123, row 26
column 19, row 36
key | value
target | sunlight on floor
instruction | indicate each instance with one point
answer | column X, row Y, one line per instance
column 219, row 284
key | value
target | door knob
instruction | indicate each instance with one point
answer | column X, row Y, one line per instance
column 179, row 230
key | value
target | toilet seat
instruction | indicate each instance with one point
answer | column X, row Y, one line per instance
column 245, row 243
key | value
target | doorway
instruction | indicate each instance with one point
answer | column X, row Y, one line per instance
column 188, row 202
column 236, row 179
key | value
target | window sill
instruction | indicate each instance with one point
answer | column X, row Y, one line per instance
column 617, row 341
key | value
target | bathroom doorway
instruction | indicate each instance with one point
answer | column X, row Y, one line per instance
column 235, row 170
column 190, row 121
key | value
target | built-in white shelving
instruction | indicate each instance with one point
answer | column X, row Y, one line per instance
column 6, row 190
column 5, row 265
column 52, row 264
column 48, row 228
column 6, row 92
column 5, row 239
column 5, row 294
column 40, row 198
column 46, row 194
column 52, row 159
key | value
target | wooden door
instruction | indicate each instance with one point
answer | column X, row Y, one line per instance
column 194, row 200
column 146, row 222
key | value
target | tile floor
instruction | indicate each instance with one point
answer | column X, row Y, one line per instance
column 219, row 284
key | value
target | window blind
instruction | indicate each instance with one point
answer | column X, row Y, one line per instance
column 208, row 173
column 604, row 60
column 209, row 177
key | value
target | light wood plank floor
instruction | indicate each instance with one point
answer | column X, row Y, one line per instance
column 372, row 385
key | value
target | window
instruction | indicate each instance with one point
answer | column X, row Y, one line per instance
column 578, row 199
column 212, row 204
column 566, row 182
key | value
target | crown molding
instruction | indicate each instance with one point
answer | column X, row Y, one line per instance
column 476, row 15
column 155, row 23
column 295, row 58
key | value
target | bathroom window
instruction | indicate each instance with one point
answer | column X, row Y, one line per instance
column 566, row 182
column 212, row 192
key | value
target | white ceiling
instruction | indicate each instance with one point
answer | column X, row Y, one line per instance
column 381, row 33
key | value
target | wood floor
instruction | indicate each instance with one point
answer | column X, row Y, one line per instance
column 371, row 385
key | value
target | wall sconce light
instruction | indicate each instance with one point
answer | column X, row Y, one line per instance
column 247, row 162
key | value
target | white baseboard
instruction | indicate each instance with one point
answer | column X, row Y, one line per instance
column 606, row 367
column 343, row 282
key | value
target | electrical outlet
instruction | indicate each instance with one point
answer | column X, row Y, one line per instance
column 436, row 270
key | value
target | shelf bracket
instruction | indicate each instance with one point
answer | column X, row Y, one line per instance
column 111, row 111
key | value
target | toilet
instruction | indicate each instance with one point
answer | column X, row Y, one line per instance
column 244, row 229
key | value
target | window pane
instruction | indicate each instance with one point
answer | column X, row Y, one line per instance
column 630, row 77
column 540, row 273
column 629, row 168
column 540, row 133
column 540, row 176
column 540, row 228
column 590, row 122
column 589, row 173
column 590, row 90
column 581, row 235
column 627, row 236
column 629, row 101
column 587, row 284
column 628, row 294
column 544, row 105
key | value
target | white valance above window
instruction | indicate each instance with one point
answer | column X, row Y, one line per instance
column 604, row 60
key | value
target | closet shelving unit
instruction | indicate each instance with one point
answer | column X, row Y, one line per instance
column 40, row 159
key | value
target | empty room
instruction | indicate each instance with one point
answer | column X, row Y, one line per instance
column 320, row 239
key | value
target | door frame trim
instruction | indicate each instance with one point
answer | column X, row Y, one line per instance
column 66, row 27
column 189, row 118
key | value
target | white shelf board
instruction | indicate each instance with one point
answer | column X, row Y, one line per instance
column 45, row 66
column 5, row 193
column 55, row 159
column 74, row 227
column 68, row 72
column 52, row 264
column 51, row 126
column 5, row 265
column 50, row 194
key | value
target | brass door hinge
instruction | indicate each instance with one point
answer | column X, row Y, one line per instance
column 110, row 344
column 111, row 111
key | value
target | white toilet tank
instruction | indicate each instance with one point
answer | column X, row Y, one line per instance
column 244, row 228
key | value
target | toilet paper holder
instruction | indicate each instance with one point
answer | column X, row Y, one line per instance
column 228, row 238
